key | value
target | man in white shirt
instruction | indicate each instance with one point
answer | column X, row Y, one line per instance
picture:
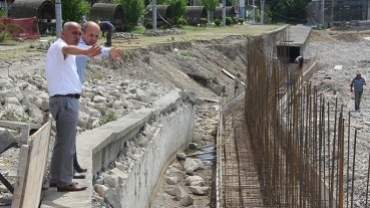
column 64, row 89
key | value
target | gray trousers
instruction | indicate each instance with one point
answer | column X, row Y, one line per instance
column 65, row 113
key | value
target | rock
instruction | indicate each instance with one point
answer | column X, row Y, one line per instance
column 99, row 99
column 190, row 163
column 113, row 197
column 186, row 201
column 142, row 96
column 194, row 181
column 181, row 156
column 100, row 189
column 193, row 146
column 171, row 180
column 171, row 191
column 198, row 190
column 113, row 181
column 180, row 193
column 117, row 104
column 116, row 171
column 190, row 171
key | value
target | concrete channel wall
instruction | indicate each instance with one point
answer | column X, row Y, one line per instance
column 173, row 115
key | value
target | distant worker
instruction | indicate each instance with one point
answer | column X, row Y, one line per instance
column 299, row 60
column 357, row 83
column 83, row 19
column 236, row 83
column 106, row 26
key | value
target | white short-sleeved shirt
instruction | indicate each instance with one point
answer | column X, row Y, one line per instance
column 61, row 74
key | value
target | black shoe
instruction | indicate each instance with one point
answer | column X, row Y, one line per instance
column 80, row 170
column 79, row 176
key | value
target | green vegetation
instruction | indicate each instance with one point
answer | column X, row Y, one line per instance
column 288, row 11
column 108, row 117
column 134, row 10
column 9, row 30
column 210, row 5
column 73, row 10
column 217, row 22
column 182, row 21
column 229, row 21
column 2, row 12
column 184, row 53
column 178, row 9
column 139, row 29
column 241, row 20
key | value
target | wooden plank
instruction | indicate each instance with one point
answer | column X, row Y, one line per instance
column 37, row 165
column 6, row 141
column 21, row 177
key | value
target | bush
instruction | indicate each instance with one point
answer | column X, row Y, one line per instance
column 182, row 21
column 241, row 20
column 228, row 21
column 9, row 30
column 4, row 35
column 217, row 22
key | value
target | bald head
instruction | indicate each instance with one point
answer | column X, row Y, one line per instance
column 71, row 33
column 90, row 32
column 69, row 25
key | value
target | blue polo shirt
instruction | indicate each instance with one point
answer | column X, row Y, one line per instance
column 358, row 84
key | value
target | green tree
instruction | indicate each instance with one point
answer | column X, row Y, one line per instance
column 134, row 9
column 178, row 8
column 289, row 11
column 210, row 5
column 73, row 10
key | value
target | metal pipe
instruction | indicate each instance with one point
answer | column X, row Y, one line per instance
column 58, row 17
column 353, row 167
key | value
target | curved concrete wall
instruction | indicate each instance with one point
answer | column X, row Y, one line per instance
column 99, row 147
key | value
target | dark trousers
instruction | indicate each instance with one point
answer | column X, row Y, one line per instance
column 358, row 96
column 109, row 38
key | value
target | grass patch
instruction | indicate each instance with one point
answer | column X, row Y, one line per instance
column 138, row 30
column 108, row 117
column 9, row 43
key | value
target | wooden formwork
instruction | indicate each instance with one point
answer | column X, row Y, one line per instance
column 31, row 169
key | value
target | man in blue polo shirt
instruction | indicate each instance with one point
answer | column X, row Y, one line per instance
column 357, row 84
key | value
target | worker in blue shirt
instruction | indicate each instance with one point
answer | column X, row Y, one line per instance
column 358, row 84
column 106, row 26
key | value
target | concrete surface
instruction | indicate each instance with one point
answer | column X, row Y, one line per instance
column 99, row 147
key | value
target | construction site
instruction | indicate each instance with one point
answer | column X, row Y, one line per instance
column 288, row 138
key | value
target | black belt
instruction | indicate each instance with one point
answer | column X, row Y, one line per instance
column 77, row 96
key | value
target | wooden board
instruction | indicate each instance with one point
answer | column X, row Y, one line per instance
column 36, row 162
column 21, row 177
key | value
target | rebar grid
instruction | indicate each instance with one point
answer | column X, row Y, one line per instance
column 289, row 148
column 301, row 154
